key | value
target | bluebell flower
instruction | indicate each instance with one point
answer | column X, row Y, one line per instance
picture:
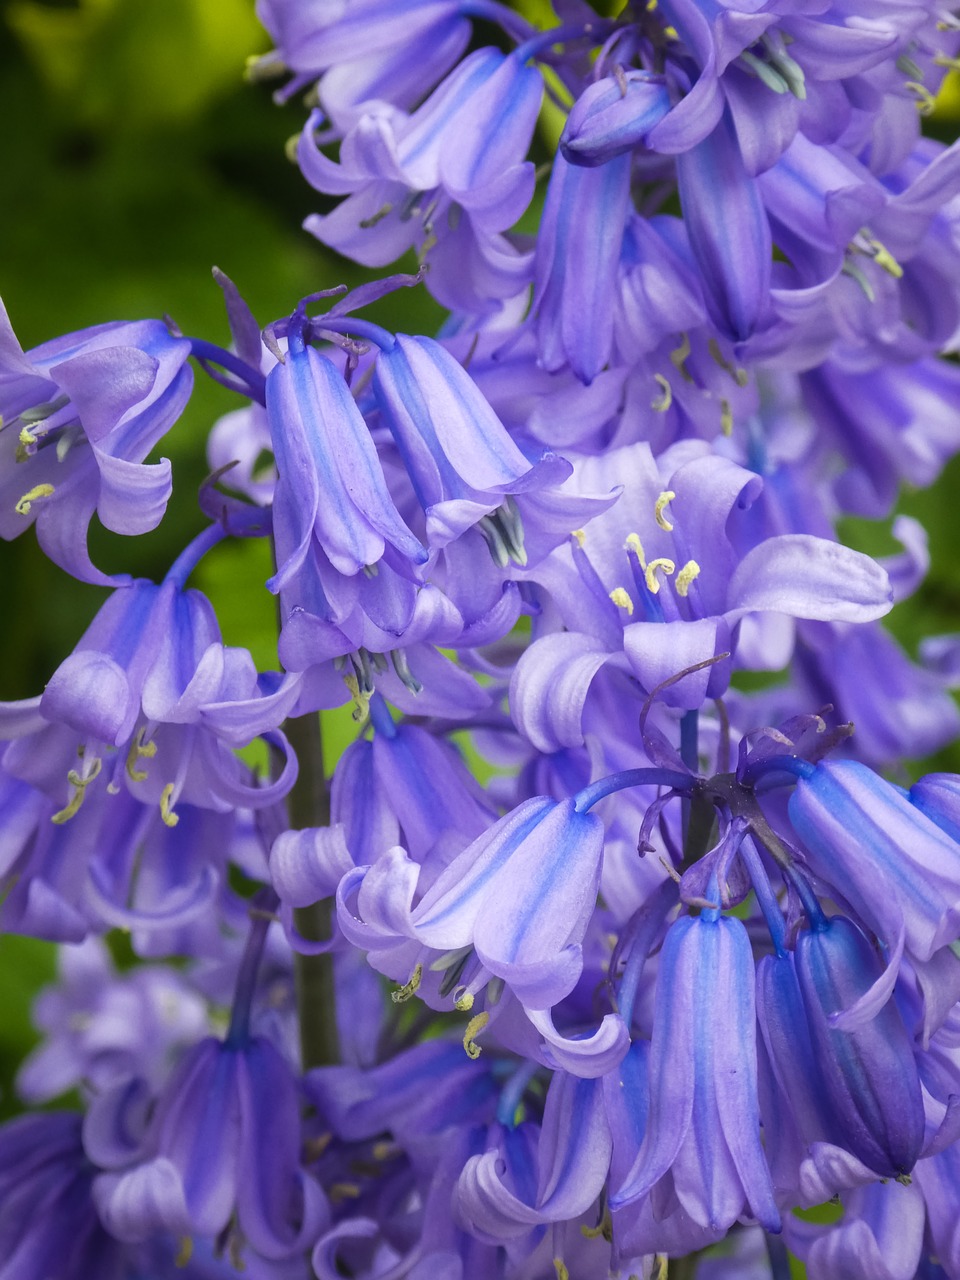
column 881, row 1235
column 462, row 464
column 150, row 670
column 897, row 868
column 937, row 1179
column 48, row 1221
column 80, row 415
column 330, row 484
column 223, row 1140
column 102, row 1027
column 701, row 1148
column 669, row 582
column 558, row 1180
column 614, row 116
column 857, row 1089
column 519, row 897
column 577, row 258
column 454, row 171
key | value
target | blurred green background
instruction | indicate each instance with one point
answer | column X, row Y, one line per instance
column 135, row 157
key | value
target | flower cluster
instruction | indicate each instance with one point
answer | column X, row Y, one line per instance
column 690, row 962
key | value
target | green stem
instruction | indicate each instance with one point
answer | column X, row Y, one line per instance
column 309, row 806
column 683, row 1268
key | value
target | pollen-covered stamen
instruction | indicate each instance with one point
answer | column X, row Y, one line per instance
column 40, row 422
column 646, row 594
column 664, row 565
column 662, row 402
column 33, row 495
column 360, row 661
column 185, row 1252
column 167, row 801
column 678, row 358
column 926, row 102
column 381, row 213
column 139, row 750
column 685, row 577
column 361, row 700
column 621, row 599
column 633, row 543
column 474, row 1027
column 79, row 782
column 660, row 507
column 409, row 988
column 736, row 372
column 866, row 243
column 603, row 1228
column 726, row 417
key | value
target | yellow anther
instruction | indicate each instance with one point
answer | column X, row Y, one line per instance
column 740, row 376
column 235, row 1252
column 634, row 544
column 620, row 598
column 726, row 417
column 926, row 102
column 561, row 1269
column 603, row 1228
column 361, row 700
column 185, row 1253
column 260, row 68
column 314, row 1148
column 374, row 218
column 944, row 60
column 885, row 259
column 660, row 506
column 678, row 358
column 139, row 750
column 474, row 1027
column 660, row 1264
column 662, row 402
column 30, row 497
column 671, row 33
column 340, row 1191
column 579, row 537
column 409, row 988
column 463, row 1002
column 170, row 819
column 662, row 563
column 384, row 1150
column 686, row 575
column 79, row 785
column 26, row 440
